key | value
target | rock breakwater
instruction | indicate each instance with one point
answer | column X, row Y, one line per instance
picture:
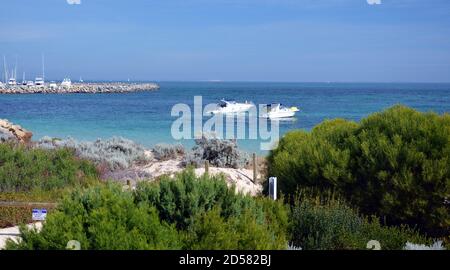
column 91, row 88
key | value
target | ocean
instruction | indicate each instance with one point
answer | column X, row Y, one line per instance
column 145, row 117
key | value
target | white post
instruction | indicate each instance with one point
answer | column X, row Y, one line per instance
column 273, row 188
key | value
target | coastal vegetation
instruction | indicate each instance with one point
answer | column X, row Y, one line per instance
column 38, row 175
column 182, row 213
column 114, row 153
column 220, row 153
column 189, row 212
column 164, row 151
column 393, row 164
column 342, row 184
column 29, row 169
column 325, row 221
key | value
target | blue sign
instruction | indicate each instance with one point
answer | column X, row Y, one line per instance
column 39, row 214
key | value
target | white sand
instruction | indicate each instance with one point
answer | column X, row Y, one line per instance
column 241, row 178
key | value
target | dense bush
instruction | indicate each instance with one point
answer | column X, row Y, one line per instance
column 394, row 164
column 179, row 201
column 37, row 175
column 210, row 230
column 116, row 152
column 25, row 170
column 164, row 151
column 215, row 216
column 182, row 213
column 324, row 222
column 101, row 218
column 219, row 153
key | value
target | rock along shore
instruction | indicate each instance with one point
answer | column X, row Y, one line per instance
column 10, row 131
column 91, row 88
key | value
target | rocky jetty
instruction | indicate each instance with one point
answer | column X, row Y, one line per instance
column 9, row 131
column 91, row 88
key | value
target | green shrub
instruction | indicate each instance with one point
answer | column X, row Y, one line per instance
column 179, row 200
column 101, row 218
column 394, row 164
column 211, row 231
column 327, row 223
column 186, row 199
column 25, row 170
column 36, row 175
column 182, row 213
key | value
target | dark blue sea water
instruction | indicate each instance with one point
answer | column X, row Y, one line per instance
column 145, row 117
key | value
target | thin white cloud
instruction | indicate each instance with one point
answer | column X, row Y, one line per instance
column 73, row 2
column 374, row 2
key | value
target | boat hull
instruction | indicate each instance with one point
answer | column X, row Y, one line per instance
column 242, row 108
column 279, row 114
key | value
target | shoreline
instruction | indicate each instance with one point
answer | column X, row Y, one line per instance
column 122, row 160
column 81, row 88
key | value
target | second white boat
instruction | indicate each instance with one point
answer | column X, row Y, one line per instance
column 277, row 110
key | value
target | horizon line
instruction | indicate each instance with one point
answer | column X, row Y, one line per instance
column 257, row 81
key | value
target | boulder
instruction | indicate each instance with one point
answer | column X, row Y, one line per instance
column 9, row 131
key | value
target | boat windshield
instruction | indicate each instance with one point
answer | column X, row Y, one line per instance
column 273, row 106
column 224, row 103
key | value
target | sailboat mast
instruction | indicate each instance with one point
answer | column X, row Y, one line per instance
column 43, row 68
column 15, row 70
column 6, row 69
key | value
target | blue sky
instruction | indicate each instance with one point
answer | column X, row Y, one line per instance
column 231, row 40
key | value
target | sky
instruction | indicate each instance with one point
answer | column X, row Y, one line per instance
column 229, row 40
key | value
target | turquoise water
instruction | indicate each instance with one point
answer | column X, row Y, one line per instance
column 145, row 117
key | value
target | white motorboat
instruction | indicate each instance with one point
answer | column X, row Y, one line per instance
column 39, row 81
column 12, row 81
column 66, row 83
column 231, row 106
column 53, row 85
column 277, row 110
